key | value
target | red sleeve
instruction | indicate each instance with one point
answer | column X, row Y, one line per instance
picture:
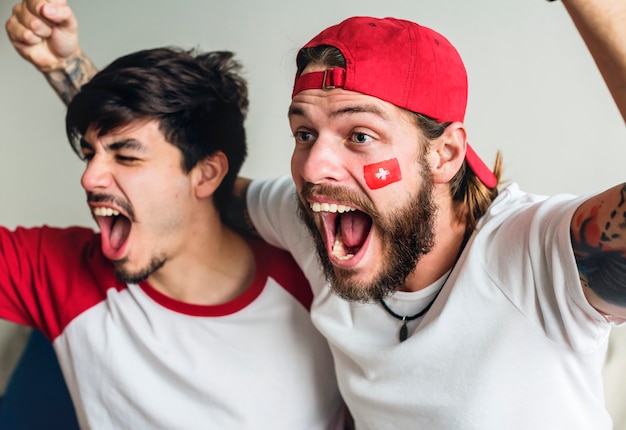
column 48, row 276
column 283, row 268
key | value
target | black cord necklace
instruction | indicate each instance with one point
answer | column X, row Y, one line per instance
column 404, row 331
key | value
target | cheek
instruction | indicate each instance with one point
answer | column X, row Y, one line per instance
column 296, row 166
column 381, row 174
column 161, row 190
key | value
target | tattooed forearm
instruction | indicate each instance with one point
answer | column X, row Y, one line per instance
column 67, row 82
column 599, row 243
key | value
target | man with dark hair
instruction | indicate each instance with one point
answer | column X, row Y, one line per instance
column 168, row 318
column 451, row 301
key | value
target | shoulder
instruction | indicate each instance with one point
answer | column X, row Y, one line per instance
column 281, row 267
column 57, row 273
column 514, row 207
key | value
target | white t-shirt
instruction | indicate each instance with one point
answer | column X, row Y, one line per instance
column 136, row 359
column 510, row 342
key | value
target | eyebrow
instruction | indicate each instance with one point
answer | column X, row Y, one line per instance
column 297, row 111
column 84, row 144
column 132, row 144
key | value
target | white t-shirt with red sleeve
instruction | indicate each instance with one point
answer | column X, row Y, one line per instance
column 136, row 359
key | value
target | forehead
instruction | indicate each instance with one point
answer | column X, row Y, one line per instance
column 340, row 104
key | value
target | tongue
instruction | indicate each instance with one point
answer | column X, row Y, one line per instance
column 354, row 228
column 119, row 232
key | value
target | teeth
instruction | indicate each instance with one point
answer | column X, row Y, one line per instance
column 101, row 211
column 334, row 208
column 338, row 249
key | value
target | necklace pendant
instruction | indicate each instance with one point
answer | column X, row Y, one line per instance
column 404, row 332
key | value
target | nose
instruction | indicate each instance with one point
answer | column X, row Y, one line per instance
column 97, row 175
column 318, row 163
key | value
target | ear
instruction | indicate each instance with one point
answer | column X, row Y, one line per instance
column 448, row 153
column 208, row 174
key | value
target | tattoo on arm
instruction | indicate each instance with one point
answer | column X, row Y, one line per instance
column 78, row 70
column 599, row 242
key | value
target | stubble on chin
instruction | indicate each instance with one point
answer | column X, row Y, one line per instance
column 140, row 275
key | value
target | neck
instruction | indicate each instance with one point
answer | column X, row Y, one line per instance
column 450, row 230
column 214, row 266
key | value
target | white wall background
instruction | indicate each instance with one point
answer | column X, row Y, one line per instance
column 535, row 93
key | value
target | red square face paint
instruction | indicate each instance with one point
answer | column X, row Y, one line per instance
column 381, row 174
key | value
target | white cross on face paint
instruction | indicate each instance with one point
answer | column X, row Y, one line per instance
column 382, row 174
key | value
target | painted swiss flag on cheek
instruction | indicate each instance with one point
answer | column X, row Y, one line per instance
column 381, row 174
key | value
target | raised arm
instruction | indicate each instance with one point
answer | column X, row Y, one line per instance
column 598, row 227
column 45, row 33
column 602, row 25
column 598, row 233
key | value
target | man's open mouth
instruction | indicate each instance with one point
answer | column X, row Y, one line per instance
column 115, row 229
column 347, row 229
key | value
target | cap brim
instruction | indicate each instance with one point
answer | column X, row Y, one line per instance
column 480, row 169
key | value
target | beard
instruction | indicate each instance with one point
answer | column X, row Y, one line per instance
column 140, row 275
column 406, row 234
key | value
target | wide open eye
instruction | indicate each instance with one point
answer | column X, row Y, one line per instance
column 361, row 138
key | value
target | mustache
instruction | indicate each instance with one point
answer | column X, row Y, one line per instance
column 340, row 194
column 107, row 198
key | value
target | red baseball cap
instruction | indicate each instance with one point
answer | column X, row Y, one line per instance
column 403, row 63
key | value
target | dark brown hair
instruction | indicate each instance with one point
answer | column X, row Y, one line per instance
column 199, row 100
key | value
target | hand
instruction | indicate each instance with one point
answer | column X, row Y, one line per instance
column 44, row 32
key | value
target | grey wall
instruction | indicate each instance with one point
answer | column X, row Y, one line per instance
column 535, row 93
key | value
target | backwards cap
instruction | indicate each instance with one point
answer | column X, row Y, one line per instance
column 403, row 63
